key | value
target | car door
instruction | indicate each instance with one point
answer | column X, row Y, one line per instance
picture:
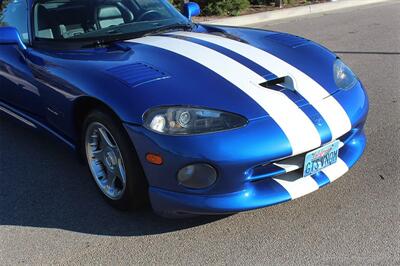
column 18, row 87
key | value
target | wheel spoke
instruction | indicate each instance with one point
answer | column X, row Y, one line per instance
column 111, row 181
column 105, row 139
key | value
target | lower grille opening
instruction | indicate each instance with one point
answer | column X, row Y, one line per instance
column 291, row 164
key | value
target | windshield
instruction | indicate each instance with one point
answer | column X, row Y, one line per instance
column 83, row 20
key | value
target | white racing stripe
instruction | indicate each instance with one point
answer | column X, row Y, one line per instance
column 336, row 170
column 341, row 144
column 331, row 110
column 299, row 129
column 291, row 164
column 296, row 185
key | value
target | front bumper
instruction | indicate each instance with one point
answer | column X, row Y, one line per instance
column 261, row 192
column 245, row 160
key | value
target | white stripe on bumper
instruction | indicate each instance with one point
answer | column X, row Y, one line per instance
column 298, row 186
column 291, row 164
column 299, row 129
column 336, row 170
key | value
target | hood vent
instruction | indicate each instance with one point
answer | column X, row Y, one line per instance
column 280, row 84
column 288, row 39
column 285, row 85
column 137, row 74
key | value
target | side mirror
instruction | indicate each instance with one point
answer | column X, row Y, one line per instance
column 191, row 9
column 10, row 35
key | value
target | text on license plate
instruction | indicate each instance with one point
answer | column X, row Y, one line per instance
column 321, row 158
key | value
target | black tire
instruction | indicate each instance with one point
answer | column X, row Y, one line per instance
column 135, row 195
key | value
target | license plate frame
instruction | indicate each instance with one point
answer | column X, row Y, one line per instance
column 321, row 158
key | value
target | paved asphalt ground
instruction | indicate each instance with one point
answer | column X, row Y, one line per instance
column 50, row 211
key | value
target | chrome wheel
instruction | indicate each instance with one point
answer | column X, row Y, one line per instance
column 105, row 161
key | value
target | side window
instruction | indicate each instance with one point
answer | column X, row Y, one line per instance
column 14, row 13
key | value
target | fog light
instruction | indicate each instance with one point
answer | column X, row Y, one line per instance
column 197, row 176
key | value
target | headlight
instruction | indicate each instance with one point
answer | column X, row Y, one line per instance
column 178, row 120
column 345, row 79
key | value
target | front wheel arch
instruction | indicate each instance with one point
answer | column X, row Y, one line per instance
column 82, row 107
column 136, row 193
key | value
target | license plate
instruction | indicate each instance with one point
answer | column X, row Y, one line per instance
column 321, row 158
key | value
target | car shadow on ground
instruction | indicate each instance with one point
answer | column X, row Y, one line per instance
column 43, row 185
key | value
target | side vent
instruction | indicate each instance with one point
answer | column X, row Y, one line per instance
column 288, row 39
column 137, row 74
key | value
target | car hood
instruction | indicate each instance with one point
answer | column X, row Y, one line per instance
column 250, row 72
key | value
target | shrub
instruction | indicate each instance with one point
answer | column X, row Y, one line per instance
column 225, row 7
column 176, row 3
column 233, row 7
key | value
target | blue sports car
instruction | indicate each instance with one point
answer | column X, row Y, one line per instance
column 194, row 119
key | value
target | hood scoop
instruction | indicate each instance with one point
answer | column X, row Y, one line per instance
column 137, row 74
column 285, row 85
column 288, row 40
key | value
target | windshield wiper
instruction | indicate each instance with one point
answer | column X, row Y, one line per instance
column 167, row 28
column 106, row 41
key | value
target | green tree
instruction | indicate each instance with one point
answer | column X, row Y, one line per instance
column 3, row 5
column 225, row 7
